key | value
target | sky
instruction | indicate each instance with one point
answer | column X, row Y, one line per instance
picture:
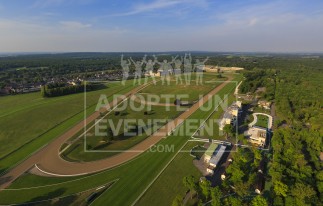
column 161, row 25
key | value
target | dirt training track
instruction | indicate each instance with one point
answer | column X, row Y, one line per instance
column 49, row 161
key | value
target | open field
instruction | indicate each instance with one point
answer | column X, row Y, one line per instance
column 262, row 121
column 131, row 184
column 28, row 179
column 181, row 166
column 33, row 121
column 192, row 92
column 198, row 150
column 120, row 139
column 170, row 182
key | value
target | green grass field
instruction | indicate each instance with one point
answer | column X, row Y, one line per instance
column 121, row 141
column 181, row 166
column 170, row 182
column 28, row 121
column 262, row 121
column 134, row 176
column 198, row 150
column 28, row 179
column 192, row 92
column 211, row 128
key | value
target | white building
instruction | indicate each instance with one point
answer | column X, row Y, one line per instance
column 212, row 157
column 257, row 136
column 230, row 115
column 264, row 104
column 215, row 159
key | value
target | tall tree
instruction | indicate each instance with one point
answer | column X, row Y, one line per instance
column 301, row 191
column 280, row 189
column 216, row 195
column 205, row 186
column 232, row 201
column 228, row 130
column 178, row 201
column 259, row 201
column 190, row 183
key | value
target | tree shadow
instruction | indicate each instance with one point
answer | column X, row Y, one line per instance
column 124, row 114
column 101, row 146
column 50, row 195
column 66, row 201
column 2, row 170
column 4, row 180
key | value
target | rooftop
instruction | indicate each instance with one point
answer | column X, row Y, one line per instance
column 257, row 132
column 211, row 149
column 216, row 158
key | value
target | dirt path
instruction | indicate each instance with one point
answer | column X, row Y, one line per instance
column 55, row 145
column 48, row 160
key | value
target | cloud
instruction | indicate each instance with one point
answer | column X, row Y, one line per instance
column 271, row 27
column 160, row 4
column 21, row 36
column 51, row 3
column 273, row 12
column 47, row 3
column 49, row 14
column 74, row 25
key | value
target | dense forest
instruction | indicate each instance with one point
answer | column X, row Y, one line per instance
column 295, row 168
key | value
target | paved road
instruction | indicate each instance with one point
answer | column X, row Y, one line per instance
column 49, row 161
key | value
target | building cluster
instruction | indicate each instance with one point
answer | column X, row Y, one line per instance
column 14, row 88
column 212, row 157
column 264, row 104
column 231, row 114
column 209, row 68
column 19, row 88
column 153, row 74
column 257, row 136
column 111, row 76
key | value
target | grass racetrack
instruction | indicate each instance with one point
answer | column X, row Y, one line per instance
column 75, row 152
column 134, row 176
column 191, row 92
column 28, row 121
column 120, row 141
column 170, row 182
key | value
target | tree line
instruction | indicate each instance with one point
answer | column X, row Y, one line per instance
column 60, row 89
